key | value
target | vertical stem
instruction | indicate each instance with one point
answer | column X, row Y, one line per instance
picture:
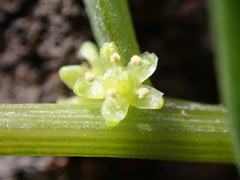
column 226, row 30
column 111, row 22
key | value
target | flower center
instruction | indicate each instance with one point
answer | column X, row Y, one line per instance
column 119, row 80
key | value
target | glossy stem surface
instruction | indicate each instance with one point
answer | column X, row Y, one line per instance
column 181, row 131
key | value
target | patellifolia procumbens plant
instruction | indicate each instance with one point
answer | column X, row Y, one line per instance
column 115, row 82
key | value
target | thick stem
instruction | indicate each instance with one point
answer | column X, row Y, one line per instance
column 180, row 131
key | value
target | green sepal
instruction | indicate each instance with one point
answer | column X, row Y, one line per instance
column 107, row 50
column 114, row 110
column 149, row 65
column 69, row 74
column 87, row 89
column 153, row 100
column 90, row 52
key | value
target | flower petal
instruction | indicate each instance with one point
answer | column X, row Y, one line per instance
column 152, row 100
column 88, row 89
column 70, row 74
column 89, row 51
column 144, row 69
column 114, row 110
column 107, row 50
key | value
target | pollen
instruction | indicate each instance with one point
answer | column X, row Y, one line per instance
column 115, row 57
column 142, row 92
column 89, row 77
column 112, row 93
column 136, row 60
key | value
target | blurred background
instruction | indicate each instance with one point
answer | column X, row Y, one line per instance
column 37, row 37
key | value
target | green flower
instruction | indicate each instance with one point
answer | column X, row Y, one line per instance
column 118, row 85
column 69, row 74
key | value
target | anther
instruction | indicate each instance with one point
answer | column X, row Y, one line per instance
column 115, row 57
column 112, row 93
column 142, row 92
column 136, row 60
column 89, row 77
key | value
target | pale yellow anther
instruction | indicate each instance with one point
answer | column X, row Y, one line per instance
column 112, row 93
column 115, row 57
column 89, row 77
column 136, row 60
column 142, row 92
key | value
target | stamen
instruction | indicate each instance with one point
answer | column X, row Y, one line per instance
column 136, row 60
column 142, row 92
column 89, row 77
column 115, row 57
column 112, row 93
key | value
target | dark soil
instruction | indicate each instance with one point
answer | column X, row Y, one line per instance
column 37, row 37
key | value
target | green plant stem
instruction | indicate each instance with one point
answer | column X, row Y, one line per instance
column 111, row 22
column 226, row 26
column 181, row 131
